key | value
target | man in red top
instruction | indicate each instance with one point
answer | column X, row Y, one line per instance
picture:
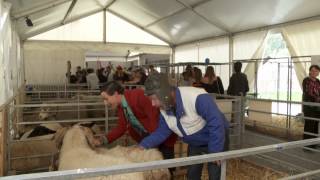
column 136, row 115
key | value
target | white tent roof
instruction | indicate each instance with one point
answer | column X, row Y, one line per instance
column 174, row 22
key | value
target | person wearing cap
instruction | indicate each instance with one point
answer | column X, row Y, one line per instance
column 192, row 114
column 136, row 117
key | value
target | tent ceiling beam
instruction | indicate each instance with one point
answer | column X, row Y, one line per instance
column 215, row 24
column 135, row 24
column 70, row 20
column 95, row 43
column 69, row 11
column 110, row 4
column 98, row 3
column 56, row 25
column 176, row 12
column 164, row 17
column 34, row 10
column 253, row 30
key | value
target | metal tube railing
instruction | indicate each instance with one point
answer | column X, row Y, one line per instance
column 302, row 175
column 119, row 169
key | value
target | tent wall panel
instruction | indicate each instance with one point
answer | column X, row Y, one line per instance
column 11, row 63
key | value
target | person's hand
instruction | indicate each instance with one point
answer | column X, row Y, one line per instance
column 135, row 148
column 97, row 141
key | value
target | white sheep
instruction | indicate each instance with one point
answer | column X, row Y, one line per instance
column 136, row 155
column 76, row 153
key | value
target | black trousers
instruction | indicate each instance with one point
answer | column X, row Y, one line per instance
column 311, row 126
column 167, row 153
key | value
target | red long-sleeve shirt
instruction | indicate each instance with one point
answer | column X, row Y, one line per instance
column 144, row 111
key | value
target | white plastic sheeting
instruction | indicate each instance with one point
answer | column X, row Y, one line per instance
column 216, row 50
column 121, row 31
column 86, row 29
column 173, row 21
column 246, row 45
column 91, row 29
column 249, row 46
column 302, row 40
column 11, row 63
column 46, row 61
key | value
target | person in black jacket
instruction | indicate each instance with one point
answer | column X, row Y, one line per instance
column 238, row 85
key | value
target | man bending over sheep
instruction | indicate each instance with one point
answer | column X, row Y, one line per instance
column 192, row 114
column 136, row 116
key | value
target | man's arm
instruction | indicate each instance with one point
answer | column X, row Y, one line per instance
column 158, row 136
column 209, row 111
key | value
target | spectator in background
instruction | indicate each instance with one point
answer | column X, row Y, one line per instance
column 81, row 75
column 78, row 72
column 68, row 74
column 120, row 75
column 311, row 93
column 73, row 79
column 92, row 80
column 212, row 83
column 152, row 70
column 187, row 76
column 238, row 85
column 138, row 77
column 197, row 77
column 105, row 74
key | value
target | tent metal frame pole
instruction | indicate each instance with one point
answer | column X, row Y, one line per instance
column 73, row 3
column 264, row 28
column 58, row 24
column 288, row 99
column 278, row 86
column 256, row 78
column 215, row 23
column 37, row 9
column 104, row 28
column 230, row 55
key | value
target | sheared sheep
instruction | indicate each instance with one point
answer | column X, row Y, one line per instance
column 76, row 153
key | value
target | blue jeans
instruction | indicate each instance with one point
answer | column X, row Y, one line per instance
column 214, row 170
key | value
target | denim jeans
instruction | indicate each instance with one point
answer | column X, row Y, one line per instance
column 214, row 170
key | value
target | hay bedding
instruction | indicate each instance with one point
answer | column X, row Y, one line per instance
column 238, row 169
column 296, row 127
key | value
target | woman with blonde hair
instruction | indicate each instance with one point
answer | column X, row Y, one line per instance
column 212, row 83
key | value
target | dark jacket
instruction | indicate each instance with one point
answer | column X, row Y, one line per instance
column 238, row 84
column 144, row 111
column 215, row 87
